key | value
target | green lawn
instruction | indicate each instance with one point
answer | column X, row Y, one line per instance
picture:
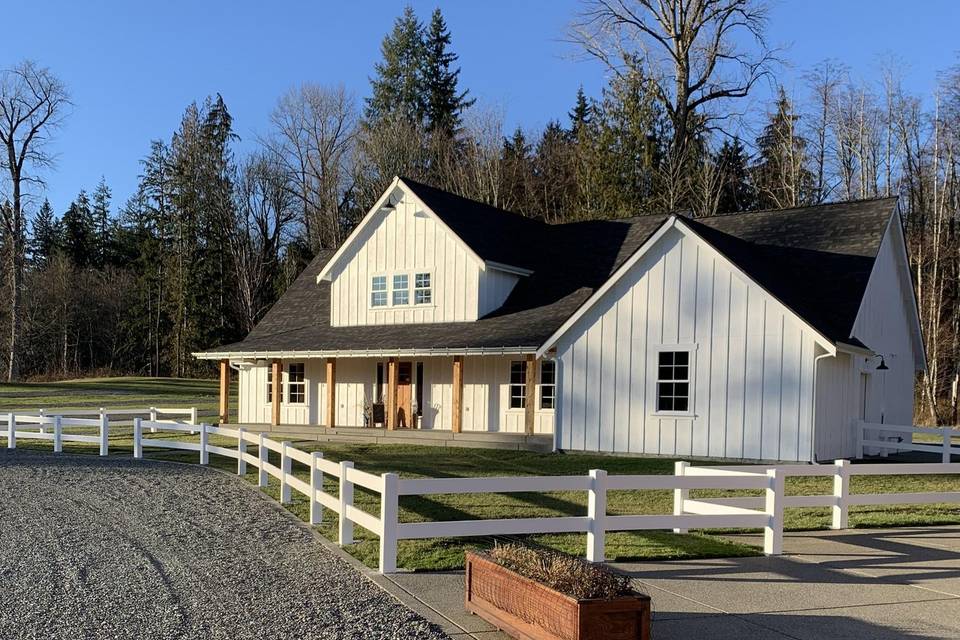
column 413, row 461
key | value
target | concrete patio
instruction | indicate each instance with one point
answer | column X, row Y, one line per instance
column 870, row 584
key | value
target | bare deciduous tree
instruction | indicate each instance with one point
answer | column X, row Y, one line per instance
column 314, row 130
column 692, row 48
column 33, row 103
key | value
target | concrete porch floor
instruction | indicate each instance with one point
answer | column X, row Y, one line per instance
column 423, row 437
column 882, row 584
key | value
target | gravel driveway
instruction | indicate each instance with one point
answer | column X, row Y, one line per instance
column 113, row 548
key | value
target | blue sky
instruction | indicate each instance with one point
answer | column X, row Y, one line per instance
column 132, row 67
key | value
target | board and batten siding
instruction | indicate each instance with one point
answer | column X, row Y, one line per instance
column 751, row 362
column 486, row 394
column 408, row 240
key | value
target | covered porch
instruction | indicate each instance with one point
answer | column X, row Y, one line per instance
column 378, row 398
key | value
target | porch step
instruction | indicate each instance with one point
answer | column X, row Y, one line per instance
column 422, row 437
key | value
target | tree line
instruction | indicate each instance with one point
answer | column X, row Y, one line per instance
column 212, row 238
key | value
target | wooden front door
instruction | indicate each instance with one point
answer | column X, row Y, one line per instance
column 404, row 395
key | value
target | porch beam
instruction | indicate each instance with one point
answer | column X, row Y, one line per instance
column 331, row 392
column 530, row 394
column 277, row 373
column 456, row 424
column 224, row 391
column 392, row 381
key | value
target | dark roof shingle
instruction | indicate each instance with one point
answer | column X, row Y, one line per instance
column 816, row 260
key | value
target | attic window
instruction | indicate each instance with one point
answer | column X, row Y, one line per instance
column 378, row 291
column 422, row 292
column 401, row 289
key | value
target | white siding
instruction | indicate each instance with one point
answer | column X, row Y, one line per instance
column 751, row 372
column 408, row 240
column 253, row 405
column 884, row 325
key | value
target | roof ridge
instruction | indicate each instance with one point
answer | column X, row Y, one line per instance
column 417, row 183
column 807, row 206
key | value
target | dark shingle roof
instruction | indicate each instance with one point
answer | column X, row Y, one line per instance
column 816, row 260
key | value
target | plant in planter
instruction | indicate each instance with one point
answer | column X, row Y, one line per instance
column 536, row 594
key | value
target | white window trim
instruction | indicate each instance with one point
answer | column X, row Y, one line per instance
column 370, row 292
column 540, row 386
column 285, row 388
column 690, row 348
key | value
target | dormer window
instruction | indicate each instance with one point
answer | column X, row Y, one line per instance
column 378, row 291
column 422, row 292
column 401, row 289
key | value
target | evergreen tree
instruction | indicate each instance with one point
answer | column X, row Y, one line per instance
column 79, row 232
column 445, row 103
column 517, row 173
column 782, row 174
column 581, row 114
column 45, row 236
column 736, row 192
column 397, row 87
column 101, row 222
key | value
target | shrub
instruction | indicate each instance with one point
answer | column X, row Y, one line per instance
column 568, row 575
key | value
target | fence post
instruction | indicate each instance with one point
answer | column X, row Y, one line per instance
column 597, row 513
column 346, row 499
column 241, row 452
column 680, row 495
column 945, row 433
column 193, row 415
column 43, row 429
column 11, row 431
column 104, row 432
column 153, row 418
column 204, row 437
column 316, row 486
column 389, row 514
column 841, row 489
column 138, row 438
column 261, row 459
column 57, row 434
column 773, row 532
column 284, row 473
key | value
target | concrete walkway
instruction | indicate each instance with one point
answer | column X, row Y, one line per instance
column 873, row 584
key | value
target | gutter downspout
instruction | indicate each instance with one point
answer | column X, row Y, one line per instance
column 813, row 402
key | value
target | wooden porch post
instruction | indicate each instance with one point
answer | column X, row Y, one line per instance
column 456, row 424
column 277, row 372
column 331, row 391
column 392, row 367
column 530, row 393
column 224, row 391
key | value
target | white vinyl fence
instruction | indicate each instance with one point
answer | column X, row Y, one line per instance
column 751, row 512
column 884, row 438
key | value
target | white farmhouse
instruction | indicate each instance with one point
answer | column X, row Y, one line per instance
column 761, row 335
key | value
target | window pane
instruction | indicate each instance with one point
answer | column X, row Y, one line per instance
column 680, row 357
column 401, row 297
column 378, row 299
column 548, row 372
column 666, row 358
column 681, row 389
column 665, row 404
column 680, row 404
column 422, row 281
column 422, row 296
column 400, row 281
column 665, row 373
column 680, row 373
column 518, row 373
column 379, row 283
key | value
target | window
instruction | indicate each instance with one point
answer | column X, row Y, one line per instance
column 296, row 386
column 422, row 293
column 518, row 384
column 548, row 383
column 379, row 391
column 673, row 381
column 378, row 291
column 401, row 289
column 270, row 384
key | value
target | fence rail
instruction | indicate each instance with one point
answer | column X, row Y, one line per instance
column 725, row 512
column 884, row 438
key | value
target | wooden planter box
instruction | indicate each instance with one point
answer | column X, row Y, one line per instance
column 531, row 611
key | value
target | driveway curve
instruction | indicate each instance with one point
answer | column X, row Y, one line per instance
column 115, row 548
